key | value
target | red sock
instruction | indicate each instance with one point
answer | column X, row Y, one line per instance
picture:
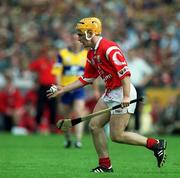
column 105, row 162
column 150, row 143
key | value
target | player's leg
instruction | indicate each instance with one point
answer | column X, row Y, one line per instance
column 119, row 120
column 65, row 109
column 96, row 126
column 118, row 134
column 80, row 110
column 118, row 123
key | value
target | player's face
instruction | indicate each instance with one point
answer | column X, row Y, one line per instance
column 82, row 38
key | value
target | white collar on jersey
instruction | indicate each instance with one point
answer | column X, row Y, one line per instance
column 97, row 44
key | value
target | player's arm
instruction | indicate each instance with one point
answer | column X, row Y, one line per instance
column 126, row 91
column 96, row 88
column 59, row 90
column 90, row 74
column 72, row 86
column 117, row 59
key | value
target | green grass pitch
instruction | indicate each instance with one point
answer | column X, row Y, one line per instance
column 39, row 156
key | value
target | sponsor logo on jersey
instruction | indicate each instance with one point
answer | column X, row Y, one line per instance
column 123, row 71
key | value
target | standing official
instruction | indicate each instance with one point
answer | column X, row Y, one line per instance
column 141, row 74
column 42, row 66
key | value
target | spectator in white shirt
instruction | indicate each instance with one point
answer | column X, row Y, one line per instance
column 141, row 73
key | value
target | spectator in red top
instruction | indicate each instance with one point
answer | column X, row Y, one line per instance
column 43, row 66
column 28, row 117
column 11, row 104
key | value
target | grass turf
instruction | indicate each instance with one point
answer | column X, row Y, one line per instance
column 44, row 156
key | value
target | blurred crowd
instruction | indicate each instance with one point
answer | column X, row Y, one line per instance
column 32, row 29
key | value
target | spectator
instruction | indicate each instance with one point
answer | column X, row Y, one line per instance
column 11, row 105
column 141, row 75
column 28, row 117
column 43, row 66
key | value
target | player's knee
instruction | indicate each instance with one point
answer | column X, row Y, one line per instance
column 116, row 137
column 93, row 126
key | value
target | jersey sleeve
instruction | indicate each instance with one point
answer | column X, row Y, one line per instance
column 58, row 66
column 90, row 73
column 117, row 59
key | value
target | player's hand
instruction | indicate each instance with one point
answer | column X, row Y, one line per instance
column 64, row 125
column 125, row 102
column 54, row 91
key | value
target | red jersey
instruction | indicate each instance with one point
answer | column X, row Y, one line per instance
column 105, row 60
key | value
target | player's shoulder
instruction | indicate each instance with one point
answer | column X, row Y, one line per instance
column 106, row 44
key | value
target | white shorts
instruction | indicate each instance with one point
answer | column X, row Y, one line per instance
column 114, row 97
